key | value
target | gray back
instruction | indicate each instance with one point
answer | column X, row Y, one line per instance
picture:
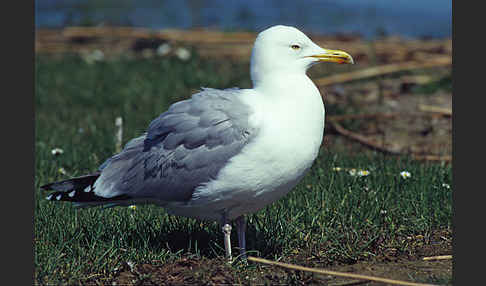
column 184, row 147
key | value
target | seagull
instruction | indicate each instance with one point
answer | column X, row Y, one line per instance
column 223, row 153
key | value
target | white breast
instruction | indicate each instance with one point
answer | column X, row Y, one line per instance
column 290, row 134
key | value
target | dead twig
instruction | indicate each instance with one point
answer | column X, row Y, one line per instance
column 440, row 257
column 435, row 109
column 363, row 140
column 381, row 70
column 336, row 273
column 381, row 148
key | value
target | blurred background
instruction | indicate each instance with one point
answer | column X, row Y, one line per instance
column 396, row 99
column 368, row 18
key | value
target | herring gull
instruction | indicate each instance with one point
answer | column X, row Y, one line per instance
column 226, row 153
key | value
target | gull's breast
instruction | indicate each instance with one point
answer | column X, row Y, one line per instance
column 288, row 141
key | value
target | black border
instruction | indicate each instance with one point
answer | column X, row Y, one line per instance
column 18, row 143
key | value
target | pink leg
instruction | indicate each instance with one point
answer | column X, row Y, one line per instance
column 241, row 229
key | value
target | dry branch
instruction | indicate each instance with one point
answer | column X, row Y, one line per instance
column 440, row 257
column 381, row 70
column 435, row 109
column 381, row 148
column 363, row 140
column 336, row 273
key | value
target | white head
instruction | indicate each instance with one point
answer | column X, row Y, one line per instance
column 286, row 49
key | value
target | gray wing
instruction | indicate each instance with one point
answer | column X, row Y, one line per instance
column 184, row 147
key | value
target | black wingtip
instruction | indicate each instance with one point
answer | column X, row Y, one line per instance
column 83, row 196
column 80, row 182
column 79, row 189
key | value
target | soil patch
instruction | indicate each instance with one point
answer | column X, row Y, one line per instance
column 391, row 264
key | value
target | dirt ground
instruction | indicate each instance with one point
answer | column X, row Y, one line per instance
column 399, row 117
column 210, row 272
column 391, row 265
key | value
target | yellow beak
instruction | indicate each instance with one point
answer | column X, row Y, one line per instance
column 334, row 56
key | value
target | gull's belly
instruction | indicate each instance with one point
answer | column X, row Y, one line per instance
column 257, row 177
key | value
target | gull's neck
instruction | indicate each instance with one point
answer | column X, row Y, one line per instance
column 284, row 82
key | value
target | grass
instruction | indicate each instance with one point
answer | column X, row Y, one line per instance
column 444, row 83
column 331, row 216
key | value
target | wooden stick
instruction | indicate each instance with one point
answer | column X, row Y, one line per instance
column 387, row 150
column 435, row 109
column 440, row 257
column 381, row 70
column 336, row 273
column 363, row 140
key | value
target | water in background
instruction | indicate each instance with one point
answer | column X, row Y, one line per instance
column 368, row 18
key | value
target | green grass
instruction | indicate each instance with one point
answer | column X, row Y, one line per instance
column 331, row 215
column 444, row 83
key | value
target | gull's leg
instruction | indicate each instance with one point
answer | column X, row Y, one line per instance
column 227, row 238
column 241, row 229
column 227, row 241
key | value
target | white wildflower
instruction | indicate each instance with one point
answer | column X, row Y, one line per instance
column 183, row 54
column 447, row 186
column 405, row 174
column 163, row 49
column 57, row 151
column 360, row 173
column 132, row 207
column 97, row 55
column 363, row 173
column 94, row 56
column 337, row 169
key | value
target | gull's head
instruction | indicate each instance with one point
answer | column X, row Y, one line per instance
column 286, row 49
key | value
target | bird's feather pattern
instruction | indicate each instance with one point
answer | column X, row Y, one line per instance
column 184, row 147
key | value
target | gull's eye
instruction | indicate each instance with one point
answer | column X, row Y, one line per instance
column 295, row 47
